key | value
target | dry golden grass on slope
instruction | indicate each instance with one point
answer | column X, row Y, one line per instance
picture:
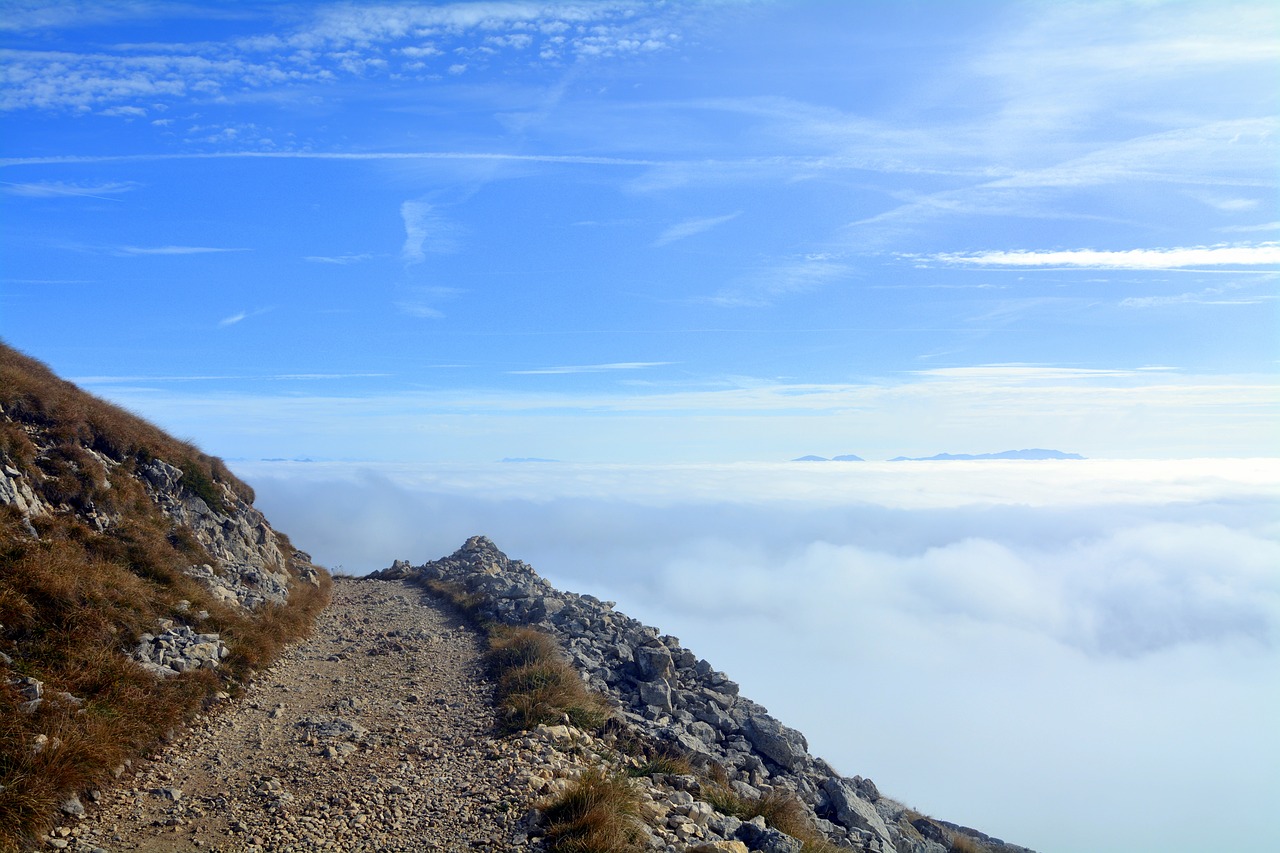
column 75, row 600
column 71, row 417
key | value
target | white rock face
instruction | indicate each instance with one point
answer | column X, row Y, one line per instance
column 15, row 491
column 251, row 566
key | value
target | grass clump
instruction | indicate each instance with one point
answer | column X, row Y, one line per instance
column 463, row 599
column 668, row 763
column 960, row 843
column 536, row 685
column 780, row 809
column 598, row 813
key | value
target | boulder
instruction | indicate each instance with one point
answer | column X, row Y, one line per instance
column 785, row 746
column 852, row 811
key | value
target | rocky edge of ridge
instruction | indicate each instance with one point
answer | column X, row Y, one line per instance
column 667, row 694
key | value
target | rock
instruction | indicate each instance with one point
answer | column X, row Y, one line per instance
column 852, row 811
column 72, row 806
column 654, row 662
column 784, row 745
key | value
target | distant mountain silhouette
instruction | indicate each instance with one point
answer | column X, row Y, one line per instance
column 1034, row 453
column 848, row 457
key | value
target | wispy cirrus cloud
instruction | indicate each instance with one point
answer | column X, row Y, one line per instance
column 589, row 368
column 426, row 230
column 779, row 280
column 1260, row 254
column 174, row 250
column 423, row 300
column 690, row 227
column 61, row 189
column 340, row 260
column 240, row 317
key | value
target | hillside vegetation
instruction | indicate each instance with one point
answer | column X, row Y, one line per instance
column 104, row 520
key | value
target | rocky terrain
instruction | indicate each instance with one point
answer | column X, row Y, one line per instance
column 666, row 694
column 137, row 583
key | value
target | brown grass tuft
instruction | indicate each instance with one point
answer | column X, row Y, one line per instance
column 780, row 809
column 598, row 813
column 536, row 685
column 961, row 843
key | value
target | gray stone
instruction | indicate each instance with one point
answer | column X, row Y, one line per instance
column 72, row 806
column 786, row 746
column 654, row 662
column 854, row 812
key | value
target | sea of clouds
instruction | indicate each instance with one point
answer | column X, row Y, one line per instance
column 1075, row 656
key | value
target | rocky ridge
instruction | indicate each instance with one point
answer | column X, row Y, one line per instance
column 667, row 694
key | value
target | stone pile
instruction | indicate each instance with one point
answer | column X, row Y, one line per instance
column 666, row 693
column 179, row 648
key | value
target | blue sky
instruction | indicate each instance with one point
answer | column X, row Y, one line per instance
column 651, row 232
column 699, row 239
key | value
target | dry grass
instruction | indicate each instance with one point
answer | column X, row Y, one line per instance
column 32, row 394
column 960, row 843
column 466, row 601
column 598, row 813
column 75, row 600
column 781, row 810
column 536, row 685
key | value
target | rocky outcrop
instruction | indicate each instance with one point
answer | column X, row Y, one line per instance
column 251, row 567
column 664, row 691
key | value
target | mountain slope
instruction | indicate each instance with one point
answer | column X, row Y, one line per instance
column 137, row 583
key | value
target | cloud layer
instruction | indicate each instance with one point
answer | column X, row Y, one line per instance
column 1040, row 651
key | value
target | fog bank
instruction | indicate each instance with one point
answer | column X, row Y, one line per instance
column 1076, row 656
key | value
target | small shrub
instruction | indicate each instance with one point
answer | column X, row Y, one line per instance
column 598, row 813
column 196, row 481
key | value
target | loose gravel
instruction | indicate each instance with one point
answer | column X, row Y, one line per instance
column 377, row 733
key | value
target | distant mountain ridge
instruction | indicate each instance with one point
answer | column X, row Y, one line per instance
column 1035, row 453
column 848, row 457
column 1032, row 454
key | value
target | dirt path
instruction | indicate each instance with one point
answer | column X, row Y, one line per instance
column 376, row 733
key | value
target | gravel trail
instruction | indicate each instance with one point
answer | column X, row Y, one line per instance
column 375, row 733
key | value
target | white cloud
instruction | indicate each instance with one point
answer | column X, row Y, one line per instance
column 590, row 368
column 341, row 260
column 422, row 300
column 1153, row 413
column 778, row 280
column 690, row 227
column 55, row 189
column 241, row 316
column 174, row 250
column 1133, row 259
column 1242, row 229
column 426, row 230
